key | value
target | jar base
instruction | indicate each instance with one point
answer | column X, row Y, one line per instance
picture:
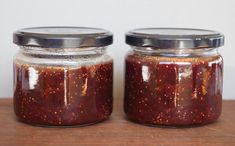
column 62, row 126
column 173, row 126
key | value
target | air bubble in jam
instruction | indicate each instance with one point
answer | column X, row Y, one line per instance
column 63, row 96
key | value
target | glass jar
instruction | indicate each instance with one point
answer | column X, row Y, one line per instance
column 173, row 76
column 63, row 76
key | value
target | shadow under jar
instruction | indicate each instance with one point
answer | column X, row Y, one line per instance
column 63, row 76
column 173, row 76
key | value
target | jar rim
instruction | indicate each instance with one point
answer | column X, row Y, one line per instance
column 177, row 38
column 62, row 37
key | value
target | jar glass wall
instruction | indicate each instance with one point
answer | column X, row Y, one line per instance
column 63, row 86
column 176, row 85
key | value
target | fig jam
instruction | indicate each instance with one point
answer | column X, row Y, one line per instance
column 173, row 76
column 52, row 95
column 63, row 76
column 173, row 91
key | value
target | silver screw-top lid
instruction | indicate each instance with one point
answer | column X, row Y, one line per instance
column 62, row 37
column 174, row 38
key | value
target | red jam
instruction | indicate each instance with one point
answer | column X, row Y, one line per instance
column 175, row 91
column 52, row 95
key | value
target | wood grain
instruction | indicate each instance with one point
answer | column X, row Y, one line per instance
column 116, row 131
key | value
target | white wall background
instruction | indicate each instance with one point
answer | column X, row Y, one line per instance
column 117, row 16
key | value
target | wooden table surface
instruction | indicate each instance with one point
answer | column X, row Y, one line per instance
column 116, row 131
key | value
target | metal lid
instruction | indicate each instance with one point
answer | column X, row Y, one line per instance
column 62, row 37
column 177, row 38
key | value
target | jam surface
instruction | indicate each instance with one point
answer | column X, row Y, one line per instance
column 172, row 90
column 66, row 96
